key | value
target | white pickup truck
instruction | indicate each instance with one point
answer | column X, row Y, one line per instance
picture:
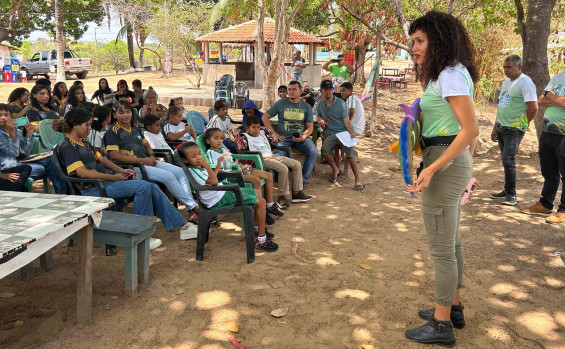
column 42, row 61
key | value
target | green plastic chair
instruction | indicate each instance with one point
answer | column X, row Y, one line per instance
column 49, row 137
column 29, row 184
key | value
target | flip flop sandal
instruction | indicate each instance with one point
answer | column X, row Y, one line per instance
column 334, row 179
column 359, row 187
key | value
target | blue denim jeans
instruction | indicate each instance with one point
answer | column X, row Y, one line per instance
column 174, row 179
column 298, row 77
column 146, row 196
column 232, row 146
column 308, row 148
column 43, row 167
column 509, row 139
column 552, row 164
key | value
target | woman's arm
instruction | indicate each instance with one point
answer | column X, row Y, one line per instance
column 85, row 173
column 112, row 166
column 135, row 103
column 192, row 132
column 23, row 112
column 117, row 156
column 463, row 109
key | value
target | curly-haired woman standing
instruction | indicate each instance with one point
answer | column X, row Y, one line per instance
column 445, row 54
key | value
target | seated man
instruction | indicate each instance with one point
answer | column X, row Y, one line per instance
column 255, row 139
column 14, row 146
column 333, row 115
column 295, row 126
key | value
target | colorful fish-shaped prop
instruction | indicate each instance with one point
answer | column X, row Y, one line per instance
column 409, row 139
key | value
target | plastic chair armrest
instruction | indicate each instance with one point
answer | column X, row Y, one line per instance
column 256, row 158
column 237, row 175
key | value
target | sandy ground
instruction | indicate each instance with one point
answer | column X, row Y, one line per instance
column 513, row 293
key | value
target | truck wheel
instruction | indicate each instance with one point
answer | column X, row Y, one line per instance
column 81, row 75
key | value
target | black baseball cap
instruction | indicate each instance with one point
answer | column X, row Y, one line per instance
column 326, row 84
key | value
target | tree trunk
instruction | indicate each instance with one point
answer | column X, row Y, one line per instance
column 131, row 49
column 535, row 34
column 168, row 60
column 141, row 44
column 60, row 37
column 283, row 21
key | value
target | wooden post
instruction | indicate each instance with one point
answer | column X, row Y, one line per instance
column 376, row 85
column 221, row 52
column 206, row 52
column 84, row 276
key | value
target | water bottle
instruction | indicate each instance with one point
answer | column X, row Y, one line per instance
column 228, row 162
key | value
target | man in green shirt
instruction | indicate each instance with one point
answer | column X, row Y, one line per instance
column 340, row 72
column 552, row 151
column 517, row 106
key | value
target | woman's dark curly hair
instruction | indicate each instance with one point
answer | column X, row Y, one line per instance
column 101, row 90
column 35, row 103
column 448, row 44
column 72, row 98
column 16, row 94
column 75, row 117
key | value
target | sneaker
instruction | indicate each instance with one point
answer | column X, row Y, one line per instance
column 499, row 195
column 556, row 218
column 269, row 220
column 270, row 236
column 188, row 231
column 274, row 210
column 537, row 209
column 301, row 197
column 510, row 200
column 154, row 243
column 268, row 246
column 282, row 202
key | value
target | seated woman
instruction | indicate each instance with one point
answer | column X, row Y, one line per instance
column 126, row 143
column 79, row 158
column 15, row 146
column 151, row 106
column 60, row 95
column 15, row 178
column 19, row 102
column 124, row 94
column 104, row 92
column 41, row 106
column 75, row 99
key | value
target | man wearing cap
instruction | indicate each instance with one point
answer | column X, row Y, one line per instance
column 340, row 72
column 332, row 115
column 298, row 64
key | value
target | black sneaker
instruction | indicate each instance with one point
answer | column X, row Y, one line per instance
column 510, row 200
column 269, row 220
column 274, row 210
column 500, row 195
column 301, row 197
column 268, row 245
column 270, row 236
column 282, row 202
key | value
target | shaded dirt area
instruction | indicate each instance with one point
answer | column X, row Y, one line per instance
column 514, row 284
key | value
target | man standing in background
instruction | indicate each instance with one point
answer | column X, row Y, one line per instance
column 298, row 64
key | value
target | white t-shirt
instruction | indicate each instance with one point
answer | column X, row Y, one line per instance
column 156, row 141
column 259, row 143
column 224, row 125
column 95, row 138
column 358, row 121
column 212, row 155
column 187, row 137
column 208, row 198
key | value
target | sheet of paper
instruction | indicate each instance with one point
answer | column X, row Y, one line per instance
column 346, row 139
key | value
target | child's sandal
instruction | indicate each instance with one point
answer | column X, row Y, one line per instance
column 359, row 187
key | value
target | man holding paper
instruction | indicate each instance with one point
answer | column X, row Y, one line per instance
column 332, row 115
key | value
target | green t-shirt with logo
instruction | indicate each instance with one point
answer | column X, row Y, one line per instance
column 512, row 101
column 439, row 119
column 339, row 71
column 554, row 117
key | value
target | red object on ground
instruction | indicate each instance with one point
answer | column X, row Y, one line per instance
column 236, row 343
column 7, row 76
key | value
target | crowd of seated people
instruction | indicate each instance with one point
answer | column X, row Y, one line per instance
column 109, row 137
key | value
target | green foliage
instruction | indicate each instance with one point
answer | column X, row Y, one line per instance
column 39, row 15
column 485, row 90
column 112, row 56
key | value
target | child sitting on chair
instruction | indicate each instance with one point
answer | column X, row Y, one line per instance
column 256, row 139
column 152, row 133
column 203, row 174
column 214, row 143
column 222, row 121
column 102, row 117
column 176, row 130
column 195, row 119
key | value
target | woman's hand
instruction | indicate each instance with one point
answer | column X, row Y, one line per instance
column 149, row 161
column 29, row 130
column 9, row 176
column 422, row 182
column 118, row 177
column 127, row 171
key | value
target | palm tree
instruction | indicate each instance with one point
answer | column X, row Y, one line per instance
column 127, row 31
column 60, row 37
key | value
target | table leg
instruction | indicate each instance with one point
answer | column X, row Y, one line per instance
column 143, row 262
column 131, row 269
column 46, row 261
column 84, row 280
